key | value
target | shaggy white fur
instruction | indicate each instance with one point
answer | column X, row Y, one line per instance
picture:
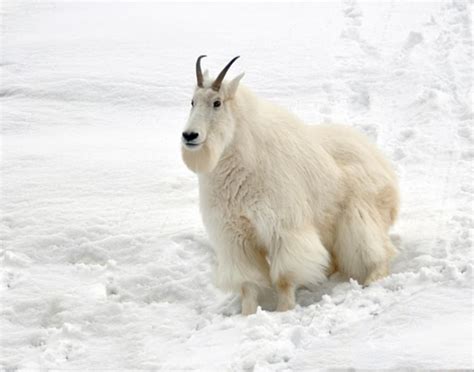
column 285, row 204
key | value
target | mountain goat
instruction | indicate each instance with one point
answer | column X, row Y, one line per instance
column 285, row 204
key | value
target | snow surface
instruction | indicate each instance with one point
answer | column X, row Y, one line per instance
column 105, row 262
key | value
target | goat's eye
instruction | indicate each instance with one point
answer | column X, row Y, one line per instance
column 217, row 103
column 192, row 103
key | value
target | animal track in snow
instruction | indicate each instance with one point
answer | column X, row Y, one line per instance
column 465, row 132
column 407, row 134
column 467, row 155
column 414, row 38
column 399, row 154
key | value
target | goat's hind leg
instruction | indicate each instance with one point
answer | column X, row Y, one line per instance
column 363, row 247
column 381, row 270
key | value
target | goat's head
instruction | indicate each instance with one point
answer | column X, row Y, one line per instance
column 211, row 124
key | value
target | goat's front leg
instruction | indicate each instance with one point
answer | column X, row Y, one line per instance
column 299, row 258
column 285, row 288
column 242, row 267
column 249, row 290
column 249, row 298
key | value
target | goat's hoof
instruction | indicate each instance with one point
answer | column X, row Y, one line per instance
column 285, row 307
column 248, row 310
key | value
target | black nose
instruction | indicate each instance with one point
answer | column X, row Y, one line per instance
column 190, row 136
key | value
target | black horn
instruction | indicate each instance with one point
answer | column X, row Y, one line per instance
column 216, row 85
column 199, row 71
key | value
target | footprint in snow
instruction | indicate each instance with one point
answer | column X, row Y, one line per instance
column 413, row 39
column 465, row 132
column 398, row 154
column 407, row 134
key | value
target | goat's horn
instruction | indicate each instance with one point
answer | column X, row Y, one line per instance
column 216, row 85
column 199, row 72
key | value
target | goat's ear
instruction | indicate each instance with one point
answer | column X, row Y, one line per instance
column 206, row 75
column 234, row 84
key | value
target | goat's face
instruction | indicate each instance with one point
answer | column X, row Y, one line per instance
column 211, row 124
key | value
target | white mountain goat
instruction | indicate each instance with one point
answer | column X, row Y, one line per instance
column 285, row 204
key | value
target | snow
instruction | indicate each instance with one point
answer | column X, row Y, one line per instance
column 105, row 262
